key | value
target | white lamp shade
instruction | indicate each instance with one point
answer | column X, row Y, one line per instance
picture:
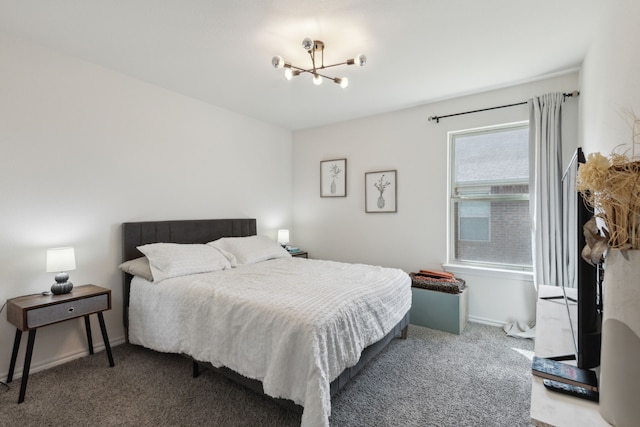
column 60, row 259
column 283, row 236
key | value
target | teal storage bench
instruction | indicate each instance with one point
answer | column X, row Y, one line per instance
column 440, row 310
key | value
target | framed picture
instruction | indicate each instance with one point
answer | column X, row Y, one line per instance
column 380, row 191
column 333, row 178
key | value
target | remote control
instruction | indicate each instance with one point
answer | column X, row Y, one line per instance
column 572, row 390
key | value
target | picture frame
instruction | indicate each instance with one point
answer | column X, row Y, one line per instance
column 333, row 178
column 381, row 191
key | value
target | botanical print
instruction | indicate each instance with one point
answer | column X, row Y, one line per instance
column 334, row 170
column 333, row 181
column 380, row 186
column 380, row 191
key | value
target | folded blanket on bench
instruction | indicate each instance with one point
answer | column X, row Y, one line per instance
column 444, row 275
column 439, row 284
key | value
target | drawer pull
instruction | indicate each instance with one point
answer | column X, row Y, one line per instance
column 71, row 309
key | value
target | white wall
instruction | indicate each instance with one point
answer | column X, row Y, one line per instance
column 414, row 237
column 611, row 80
column 84, row 149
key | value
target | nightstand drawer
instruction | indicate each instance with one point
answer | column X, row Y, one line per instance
column 68, row 310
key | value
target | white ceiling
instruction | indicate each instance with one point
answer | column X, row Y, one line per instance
column 220, row 51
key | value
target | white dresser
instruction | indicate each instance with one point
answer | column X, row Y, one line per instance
column 553, row 338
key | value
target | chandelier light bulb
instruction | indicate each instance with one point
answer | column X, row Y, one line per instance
column 360, row 60
column 277, row 61
column 343, row 82
column 307, row 43
column 317, row 80
column 288, row 74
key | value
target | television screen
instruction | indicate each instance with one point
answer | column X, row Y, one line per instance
column 580, row 279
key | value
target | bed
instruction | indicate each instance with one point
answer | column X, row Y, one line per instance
column 257, row 327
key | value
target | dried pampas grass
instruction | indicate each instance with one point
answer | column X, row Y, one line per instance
column 612, row 187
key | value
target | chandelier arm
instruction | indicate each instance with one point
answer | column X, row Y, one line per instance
column 312, row 70
column 312, row 54
column 302, row 70
column 322, row 75
column 333, row 65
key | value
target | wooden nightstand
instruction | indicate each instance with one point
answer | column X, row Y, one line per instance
column 31, row 312
column 300, row 254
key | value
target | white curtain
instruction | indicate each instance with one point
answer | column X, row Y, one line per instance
column 545, row 187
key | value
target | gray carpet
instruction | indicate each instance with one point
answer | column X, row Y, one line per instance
column 431, row 379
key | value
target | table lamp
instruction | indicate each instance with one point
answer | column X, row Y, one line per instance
column 283, row 237
column 61, row 260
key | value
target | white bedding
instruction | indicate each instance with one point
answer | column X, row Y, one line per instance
column 292, row 323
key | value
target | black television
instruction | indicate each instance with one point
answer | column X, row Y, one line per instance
column 581, row 281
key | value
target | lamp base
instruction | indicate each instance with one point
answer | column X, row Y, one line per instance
column 61, row 288
column 62, row 285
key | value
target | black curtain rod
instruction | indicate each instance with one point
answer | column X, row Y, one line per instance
column 573, row 94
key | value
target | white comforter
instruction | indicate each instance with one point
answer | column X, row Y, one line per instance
column 292, row 323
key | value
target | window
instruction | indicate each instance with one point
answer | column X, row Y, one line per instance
column 489, row 197
column 474, row 221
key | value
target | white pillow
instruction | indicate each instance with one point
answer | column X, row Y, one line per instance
column 251, row 249
column 231, row 257
column 174, row 259
column 138, row 267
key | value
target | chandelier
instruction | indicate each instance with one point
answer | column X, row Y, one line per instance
column 315, row 48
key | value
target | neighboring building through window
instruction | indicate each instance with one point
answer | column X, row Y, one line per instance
column 474, row 221
column 489, row 197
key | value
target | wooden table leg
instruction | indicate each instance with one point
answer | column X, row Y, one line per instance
column 27, row 364
column 87, row 327
column 105, row 337
column 14, row 354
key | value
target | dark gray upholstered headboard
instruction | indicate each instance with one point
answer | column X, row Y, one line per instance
column 135, row 234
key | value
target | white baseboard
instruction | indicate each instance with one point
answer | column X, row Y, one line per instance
column 59, row 360
column 484, row 321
